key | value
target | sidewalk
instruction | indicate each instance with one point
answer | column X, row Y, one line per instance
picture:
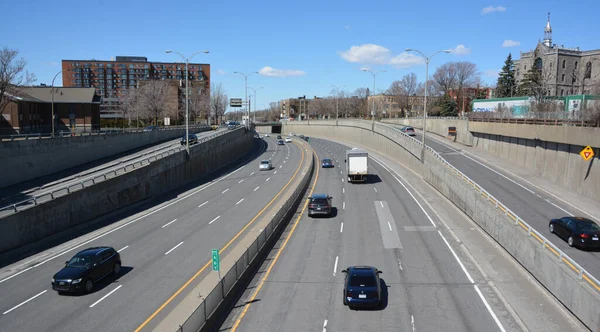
column 572, row 202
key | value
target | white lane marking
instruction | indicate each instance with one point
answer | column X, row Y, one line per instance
column 224, row 191
column 214, row 220
column 125, row 247
column 335, row 265
column 105, row 296
column 343, row 190
column 124, row 225
column 284, row 161
column 342, row 227
column 275, row 172
column 202, row 204
column 252, row 173
column 558, row 207
column 281, row 166
column 393, row 173
column 170, row 222
column 390, row 226
column 240, row 181
column 412, row 322
column 241, row 200
column 399, row 264
column 325, row 326
column 342, row 179
column 457, row 259
column 175, row 247
column 381, row 202
column 15, row 307
column 344, row 206
column 489, row 309
column 267, row 180
column 375, row 189
column 255, row 189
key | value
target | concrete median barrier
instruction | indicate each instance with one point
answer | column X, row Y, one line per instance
column 574, row 287
column 159, row 177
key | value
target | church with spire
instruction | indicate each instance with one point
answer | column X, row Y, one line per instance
column 566, row 71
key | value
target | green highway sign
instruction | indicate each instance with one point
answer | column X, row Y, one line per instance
column 216, row 264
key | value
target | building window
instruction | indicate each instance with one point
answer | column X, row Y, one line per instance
column 562, row 78
column 588, row 70
column 575, row 65
column 562, row 92
column 564, row 64
column 525, row 67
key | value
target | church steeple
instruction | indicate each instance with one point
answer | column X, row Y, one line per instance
column 548, row 33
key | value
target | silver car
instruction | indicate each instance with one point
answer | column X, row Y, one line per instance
column 265, row 165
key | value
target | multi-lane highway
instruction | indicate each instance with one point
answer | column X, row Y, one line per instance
column 161, row 250
column 51, row 183
column 426, row 285
column 531, row 204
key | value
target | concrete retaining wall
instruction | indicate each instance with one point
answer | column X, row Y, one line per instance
column 155, row 179
column 576, row 294
column 440, row 127
column 24, row 160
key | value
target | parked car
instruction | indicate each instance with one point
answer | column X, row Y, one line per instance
column 265, row 165
column 362, row 286
column 577, row 231
column 192, row 137
column 410, row 131
column 288, row 140
column 320, row 204
column 327, row 163
column 86, row 268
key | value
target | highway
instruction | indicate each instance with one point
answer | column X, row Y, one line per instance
column 426, row 286
column 161, row 250
column 50, row 183
column 531, row 204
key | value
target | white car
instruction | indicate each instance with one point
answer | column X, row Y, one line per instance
column 288, row 140
column 265, row 165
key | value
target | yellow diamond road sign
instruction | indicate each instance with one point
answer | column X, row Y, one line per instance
column 587, row 153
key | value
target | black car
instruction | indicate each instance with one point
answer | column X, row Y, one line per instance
column 362, row 287
column 579, row 232
column 278, row 136
column 280, row 142
column 192, row 137
column 326, row 163
column 86, row 268
column 320, row 204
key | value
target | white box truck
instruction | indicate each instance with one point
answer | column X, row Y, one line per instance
column 357, row 165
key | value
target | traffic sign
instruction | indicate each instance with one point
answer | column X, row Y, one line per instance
column 216, row 263
column 587, row 153
column 235, row 102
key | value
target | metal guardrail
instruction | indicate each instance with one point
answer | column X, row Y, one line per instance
column 106, row 131
column 86, row 182
column 582, row 273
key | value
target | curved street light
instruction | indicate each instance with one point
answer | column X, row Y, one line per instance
column 246, row 89
column 373, row 110
column 52, row 93
column 337, row 91
column 254, row 113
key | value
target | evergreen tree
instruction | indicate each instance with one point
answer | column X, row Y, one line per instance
column 507, row 86
column 448, row 106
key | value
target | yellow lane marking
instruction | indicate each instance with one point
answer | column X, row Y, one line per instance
column 223, row 249
column 262, row 281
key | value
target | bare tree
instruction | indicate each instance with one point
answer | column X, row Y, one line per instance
column 153, row 99
column 129, row 104
column 199, row 101
column 218, row 101
column 13, row 75
column 357, row 103
column 273, row 111
column 454, row 78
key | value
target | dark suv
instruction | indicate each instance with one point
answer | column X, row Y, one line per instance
column 86, row 268
column 362, row 286
column 192, row 137
column 320, row 204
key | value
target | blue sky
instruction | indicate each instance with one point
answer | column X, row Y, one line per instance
column 300, row 47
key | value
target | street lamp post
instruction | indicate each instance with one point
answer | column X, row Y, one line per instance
column 246, row 91
column 187, row 95
column 425, row 101
column 373, row 110
column 254, row 114
column 52, row 93
column 337, row 91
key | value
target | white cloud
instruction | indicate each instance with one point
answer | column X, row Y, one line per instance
column 461, row 50
column 491, row 9
column 510, row 43
column 272, row 72
column 221, row 72
column 491, row 73
column 371, row 54
column 348, row 27
column 53, row 63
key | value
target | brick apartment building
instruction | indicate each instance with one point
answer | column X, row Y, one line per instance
column 111, row 78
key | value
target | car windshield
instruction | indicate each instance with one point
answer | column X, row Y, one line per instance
column 82, row 260
column 264, row 162
column 326, row 160
column 319, row 201
column 588, row 227
column 363, row 281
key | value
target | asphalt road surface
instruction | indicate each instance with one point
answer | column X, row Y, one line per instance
column 425, row 285
column 531, row 204
column 160, row 250
column 53, row 182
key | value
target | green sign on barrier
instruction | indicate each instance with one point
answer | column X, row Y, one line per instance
column 216, row 264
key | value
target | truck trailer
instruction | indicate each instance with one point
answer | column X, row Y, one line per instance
column 357, row 165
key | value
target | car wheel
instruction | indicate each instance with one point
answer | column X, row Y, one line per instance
column 571, row 241
column 89, row 286
column 551, row 228
column 345, row 301
column 117, row 268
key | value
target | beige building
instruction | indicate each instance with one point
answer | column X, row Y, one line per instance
column 394, row 106
column 566, row 71
column 293, row 108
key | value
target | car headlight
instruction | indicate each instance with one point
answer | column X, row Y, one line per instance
column 53, row 280
column 76, row 281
